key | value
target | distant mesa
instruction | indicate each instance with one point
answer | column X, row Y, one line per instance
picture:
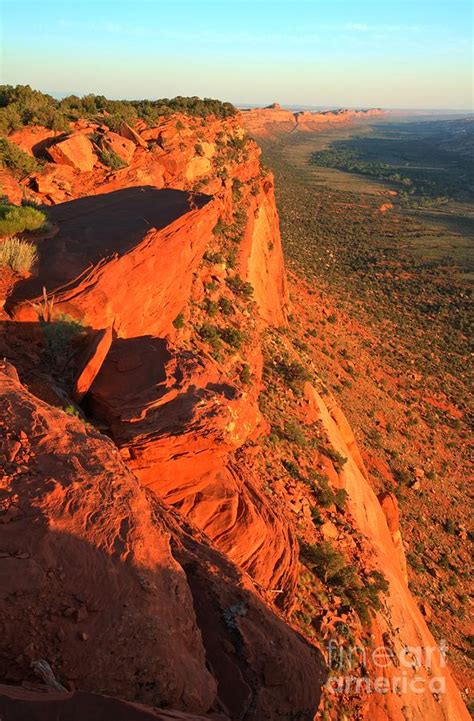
column 274, row 119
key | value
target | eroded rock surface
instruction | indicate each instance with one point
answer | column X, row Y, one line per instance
column 117, row 595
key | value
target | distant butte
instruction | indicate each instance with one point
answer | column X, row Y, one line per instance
column 274, row 119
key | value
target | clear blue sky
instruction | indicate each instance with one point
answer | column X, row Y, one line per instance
column 392, row 53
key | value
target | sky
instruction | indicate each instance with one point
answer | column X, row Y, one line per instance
column 353, row 53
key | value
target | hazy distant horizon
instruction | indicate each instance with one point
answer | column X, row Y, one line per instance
column 287, row 106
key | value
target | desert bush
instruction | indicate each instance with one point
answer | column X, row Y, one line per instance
column 239, row 286
column 337, row 459
column 112, row 160
column 179, row 320
column 213, row 256
column 323, row 559
column 232, row 336
column 321, row 489
column 293, row 373
column 226, row 306
column 16, row 160
column 292, row 468
column 210, row 334
column 211, row 307
column 293, row 432
column 362, row 594
column 340, row 499
column 17, row 219
column 18, row 254
column 245, row 374
column 60, row 335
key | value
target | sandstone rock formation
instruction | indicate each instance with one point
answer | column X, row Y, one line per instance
column 123, row 147
column 157, row 563
column 274, row 119
column 96, row 266
column 110, row 588
column 412, row 643
column 76, row 151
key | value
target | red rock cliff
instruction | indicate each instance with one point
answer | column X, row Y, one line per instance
column 170, row 529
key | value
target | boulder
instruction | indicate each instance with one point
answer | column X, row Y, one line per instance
column 90, row 362
column 329, row 530
column 197, row 167
column 55, row 182
column 123, row 147
column 130, row 134
column 76, row 151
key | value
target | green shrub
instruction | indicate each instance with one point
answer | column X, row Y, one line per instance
column 213, row 257
column 294, row 433
column 226, row 306
column 324, row 560
column 292, row 468
column 232, row 336
column 179, row 320
column 316, row 517
column 245, row 375
column 232, row 258
column 210, row 334
column 293, row 373
column 240, row 286
column 18, row 254
column 16, row 160
column 17, row 219
column 325, row 495
column 211, row 307
column 360, row 594
column 402, row 476
column 334, row 455
column 340, row 498
column 112, row 160
column 60, row 335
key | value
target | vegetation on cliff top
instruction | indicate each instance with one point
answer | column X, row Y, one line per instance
column 21, row 105
column 16, row 160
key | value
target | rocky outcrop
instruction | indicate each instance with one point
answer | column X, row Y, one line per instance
column 90, row 362
column 94, row 572
column 389, row 504
column 177, row 419
column 123, row 147
column 262, row 258
column 275, row 120
column 76, row 151
column 97, row 267
column 155, row 565
column 117, row 595
column 412, row 649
